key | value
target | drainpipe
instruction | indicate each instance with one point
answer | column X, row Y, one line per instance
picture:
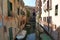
column 48, row 14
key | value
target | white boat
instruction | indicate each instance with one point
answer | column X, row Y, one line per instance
column 21, row 35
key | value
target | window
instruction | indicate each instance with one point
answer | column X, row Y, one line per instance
column 18, row 11
column 49, row 19
column 22, row 12
column 44, row 19
column 18, row 0
column 49, row 4
column 5, row 29
column 10, row 6
column 55, row 26
column 9, row 9
column 44, row 1
column 56, row 10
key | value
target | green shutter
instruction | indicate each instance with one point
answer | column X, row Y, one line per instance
column 10, row 34
column 9, row 7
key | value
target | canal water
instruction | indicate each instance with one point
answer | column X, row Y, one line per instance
column 31, row 36
column 30, row 27
column 44, row 36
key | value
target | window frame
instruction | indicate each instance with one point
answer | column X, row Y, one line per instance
column 56, row 10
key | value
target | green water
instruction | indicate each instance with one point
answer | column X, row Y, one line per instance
column 44, row 36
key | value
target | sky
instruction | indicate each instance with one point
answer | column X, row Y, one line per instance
column 29, row 2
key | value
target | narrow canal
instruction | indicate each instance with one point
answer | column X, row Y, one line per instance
column 30, row 28
column 31, row 32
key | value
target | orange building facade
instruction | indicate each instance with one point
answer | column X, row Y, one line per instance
column 12, row 18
